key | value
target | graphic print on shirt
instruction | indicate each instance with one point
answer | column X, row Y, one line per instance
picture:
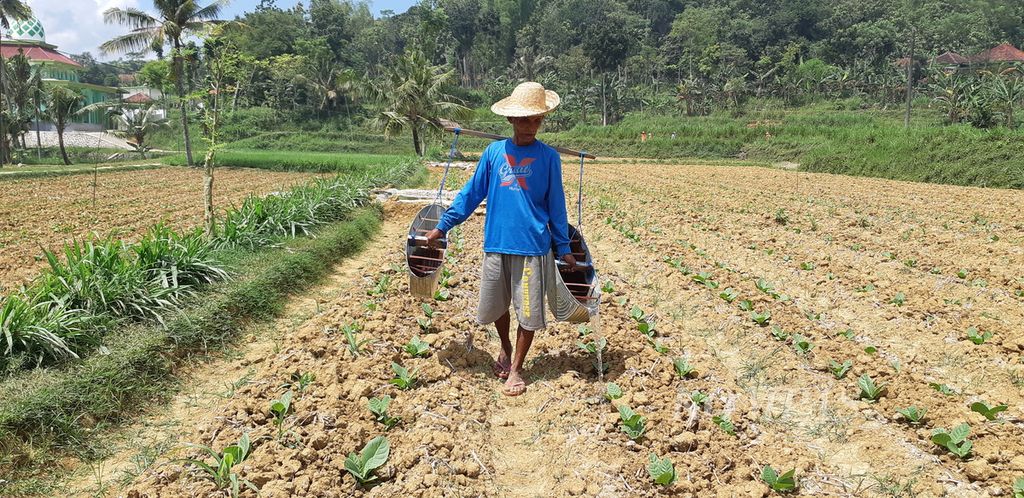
column 514, row 172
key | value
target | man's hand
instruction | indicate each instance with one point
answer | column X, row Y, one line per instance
column 570, row 262
column 433, row 237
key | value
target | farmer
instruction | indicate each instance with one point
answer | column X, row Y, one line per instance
column 521, row 178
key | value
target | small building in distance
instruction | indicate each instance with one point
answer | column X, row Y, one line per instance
column 28, row 37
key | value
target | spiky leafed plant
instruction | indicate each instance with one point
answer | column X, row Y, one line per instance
column 410, row 93
column 10, row 10
column 173, row 22
column 63, row 104
column 137, row 123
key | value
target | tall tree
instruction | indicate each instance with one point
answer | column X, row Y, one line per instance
column 913, row 8
column 10, row 10
column 411, row 93
column 173, row 22
column 64, row 103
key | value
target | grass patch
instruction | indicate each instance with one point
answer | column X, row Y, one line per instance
column 58, row 409
column 46, row 171
column 821, row 138
column 316, row 162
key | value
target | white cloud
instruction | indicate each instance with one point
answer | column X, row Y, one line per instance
column 77, row 26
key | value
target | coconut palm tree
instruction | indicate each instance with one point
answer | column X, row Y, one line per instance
column 63, row 104
column 174, row 21
column 410, row 93
column 10, row 10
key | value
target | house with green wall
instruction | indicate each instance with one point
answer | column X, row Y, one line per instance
column 29, row 38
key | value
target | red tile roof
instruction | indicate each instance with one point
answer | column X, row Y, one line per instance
column 139, row 98
column 1000, row 53
column 951, row 58
column 36, row 53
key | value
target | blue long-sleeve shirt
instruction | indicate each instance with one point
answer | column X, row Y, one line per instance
column 525, row 200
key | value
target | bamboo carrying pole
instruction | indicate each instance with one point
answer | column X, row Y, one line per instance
column 452, row 126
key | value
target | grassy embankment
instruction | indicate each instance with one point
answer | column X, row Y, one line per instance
column 53, row 410
column 822, row 139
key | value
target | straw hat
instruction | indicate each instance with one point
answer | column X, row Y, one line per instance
column 528, row 99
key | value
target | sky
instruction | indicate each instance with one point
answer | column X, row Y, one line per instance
column 76, row 26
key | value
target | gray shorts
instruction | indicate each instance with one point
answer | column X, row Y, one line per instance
column 523, row 281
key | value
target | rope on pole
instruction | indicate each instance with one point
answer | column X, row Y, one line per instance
column 579, row 196
column 451, row 155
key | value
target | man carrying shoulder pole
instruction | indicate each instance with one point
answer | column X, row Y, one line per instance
column 521, row 178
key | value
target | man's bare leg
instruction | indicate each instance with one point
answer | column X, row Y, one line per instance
column 516, row 385
column 501, row 366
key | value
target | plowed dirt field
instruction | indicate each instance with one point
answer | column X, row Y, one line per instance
column 45, row 213
column 888, row 276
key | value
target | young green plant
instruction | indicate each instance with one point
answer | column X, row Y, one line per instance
column 379, row 409
column 222, row 471
column 661, row 470
column 404, row 379
column 785, row 482
column 417, row 348
column 632, row 423
column 355, row 345
column 913, row 414
column 373, row 456
column 955, row 441
column 868, row 389
column 989, row 412
column 280, row 409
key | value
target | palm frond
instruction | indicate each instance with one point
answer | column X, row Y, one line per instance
column 130, row 17
column 139, row 41
column 210, row 12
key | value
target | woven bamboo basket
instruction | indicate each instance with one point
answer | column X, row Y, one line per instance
column 424, row 263
column 575, row 295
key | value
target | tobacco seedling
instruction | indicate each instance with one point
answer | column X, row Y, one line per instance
column 729, row 294
column 913, row 414
column 583, row 330
column 646, row 327
column 442, row 294
column 428, row 317
column 280, row 408
column 608, row 287
column 300, row 381
column 848, row 334
column 764, row 286
column 779, row 334
column 977, row 337
column 870, row 349
column 632, row 423
column 839, row 370
column 785, row 482
column 661, row 470
column 942, row 388
column 636, row 313
column 868, row 389
column 807, row 266
column 989, row 412
column 698, row 397
column 1018, row 488
column 379, row 409
column 725, row 424
column 761, row 319
column 746, row 305
column 592, row 346
column 899, row 299
column 801, row 344
column 355, row 346
column 381, row 286
column 705, row 278
column 612, row 391
column 417, row 347
column 372, row 456
column 682, row 367
column 221, row 472
column 962, row 274
column 404, row 379
column 657, row 346
column 955, row 440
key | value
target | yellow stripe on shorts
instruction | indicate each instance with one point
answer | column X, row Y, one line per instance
column 526, row 290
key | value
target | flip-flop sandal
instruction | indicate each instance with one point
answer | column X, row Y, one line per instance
column 501, row 370
column 515, row 389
